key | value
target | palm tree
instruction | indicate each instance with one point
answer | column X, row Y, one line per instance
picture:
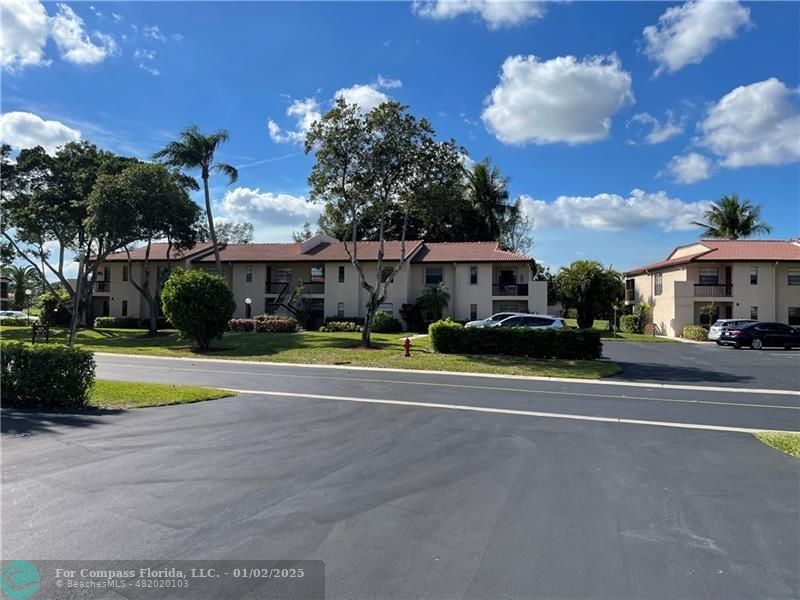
column 434, row 299
column 488, row 193
column 195, row 150
column 731, row 219
column 22, row 278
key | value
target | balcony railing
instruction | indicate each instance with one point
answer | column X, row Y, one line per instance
column 719, row 290
column 511, row 289
column 102, row 286
column 309, row 287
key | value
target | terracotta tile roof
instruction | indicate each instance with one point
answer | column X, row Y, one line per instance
column 731, row 250
column 466, row 252
column 322, row 252
column 158, row 251
column 335, row 251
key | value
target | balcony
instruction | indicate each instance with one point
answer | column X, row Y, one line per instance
column 102, row 287
column 512, row 289
column 309, row 287
column 630, row 296
column 718, row 290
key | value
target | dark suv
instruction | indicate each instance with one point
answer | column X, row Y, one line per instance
column 761, row 335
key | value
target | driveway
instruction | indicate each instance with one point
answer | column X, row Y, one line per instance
column 414, row 500
column 707, row 364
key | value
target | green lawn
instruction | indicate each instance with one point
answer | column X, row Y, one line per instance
column 601, row 327
column 323, row 349
column 785, row 442
column 126, row 394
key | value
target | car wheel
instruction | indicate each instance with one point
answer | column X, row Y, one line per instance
column 737, row 345
column 757, row 344
column 719, row 343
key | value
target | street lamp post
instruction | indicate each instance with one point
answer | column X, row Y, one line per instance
column 28, row 303
column 248, row 302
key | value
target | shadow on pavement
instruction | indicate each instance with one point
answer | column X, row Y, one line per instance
column 16, row 421
column 675, row 374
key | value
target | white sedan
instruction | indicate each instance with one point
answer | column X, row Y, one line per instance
column 18, row 314
column 532, row 321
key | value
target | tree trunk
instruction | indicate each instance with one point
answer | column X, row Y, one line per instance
column 76, row 304
column 585, row 318
column 366, row 330
column 211, row 231
column 153, row 329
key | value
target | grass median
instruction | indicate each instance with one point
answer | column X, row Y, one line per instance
column 128, row 394
column 601, row 327
column 323, row 349
column 785, row 441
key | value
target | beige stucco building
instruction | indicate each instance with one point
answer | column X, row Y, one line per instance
column 480, row 277
column 719, row 279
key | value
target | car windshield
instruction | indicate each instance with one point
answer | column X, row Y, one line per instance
column 499, row 316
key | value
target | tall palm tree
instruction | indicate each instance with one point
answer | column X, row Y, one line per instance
column 731, row 219
column 488, row 193
column 434, row 299
column 22, row 278
column 195, row 150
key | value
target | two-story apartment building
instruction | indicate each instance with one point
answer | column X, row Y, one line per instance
column 480, row 277
column 719, row 279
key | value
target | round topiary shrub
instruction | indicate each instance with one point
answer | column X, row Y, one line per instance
column 696, row 333
column 630, row 324
column 198, row 304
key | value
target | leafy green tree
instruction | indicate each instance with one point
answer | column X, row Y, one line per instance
column 434, row 300
column 516, row 230
column 374, row 165
column 732, row 218
column 195, row 150
column 150, row 203
column 45, row 202
column 229, row 232
column 22, row 279
column 55, row 307
column 198, row 304
column 304, row 234
column 589, row 288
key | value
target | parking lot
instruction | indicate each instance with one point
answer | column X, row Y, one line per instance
column 707, row 364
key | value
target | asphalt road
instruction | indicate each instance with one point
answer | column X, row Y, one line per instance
column 418, row 501
column 706, row 364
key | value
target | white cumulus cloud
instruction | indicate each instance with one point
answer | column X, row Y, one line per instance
column 24, row 34
column 496, row 13
column 685, row 34
column 304, row 112
column 564, row 99
column 612, row 212
column 74, row 44
column 689, row 168
column 26, row 130
column 659, row 131
column 253, row 205
column 757, row 124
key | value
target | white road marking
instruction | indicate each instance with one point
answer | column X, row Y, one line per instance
column 508, row 411
column 615, row 383
column 483, row 387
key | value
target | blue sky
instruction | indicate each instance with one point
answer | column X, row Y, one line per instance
column 616, row 122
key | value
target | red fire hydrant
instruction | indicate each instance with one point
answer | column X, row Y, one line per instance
column 407, row 347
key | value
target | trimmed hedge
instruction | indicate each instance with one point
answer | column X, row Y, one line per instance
column 15, row 321
column 340, row 326
column 695, row 332
column 356, row 320
column 47, row 376
column 385, row 323
column 264, row 324
column 449, row 337
column 129, row 323
column 629, row 324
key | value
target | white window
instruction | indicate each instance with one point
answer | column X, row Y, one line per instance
column 283, row 275
column 473, row 275
column 433, row 275
column 709, row 276
column 794, row 277
column 318, row 274
column 473, row 312
column 753, row 275
column 387, row 307
column 341, row 273
column 248, row 275
column 340, row 309
column 754, row 312
column 658, row 284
